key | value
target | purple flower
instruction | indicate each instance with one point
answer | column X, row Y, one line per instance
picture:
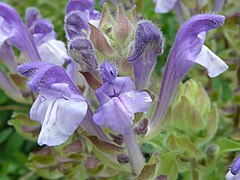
column 148, row 45
column 164, row 6
column 234, row 172
column 118, row 101
column 58, row 96
column 188, row 50
column 13, row 31
column 44, row 37
column 78, row 14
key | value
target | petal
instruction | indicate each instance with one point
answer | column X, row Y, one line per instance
column 230, row 176
column 57, row 127
column 187, row 46
column 3, row 35
column 6, row 53
column 211, row 62
column 108, row 72
column 137, row 101
column 43, row 75
column 39, row 108
column 79, row 5
column 164, row 6
column 147, row 38
column 32, row 15
column 53, row 51
column 21, row 37
column 75, row 23
column 104, row 93
column 115, row 116
column 123, row 84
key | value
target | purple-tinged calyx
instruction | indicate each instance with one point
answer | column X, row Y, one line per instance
column 13, row 30
column 187, row 50
column 148, row 45
column 234, row 171
column 58, row 96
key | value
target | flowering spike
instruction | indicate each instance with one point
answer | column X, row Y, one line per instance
column 83, row 53
column 183, row 55
column 148, row 44
column 13, row 29
column 108, row 72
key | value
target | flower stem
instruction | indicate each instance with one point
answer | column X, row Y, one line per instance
column 136, row 158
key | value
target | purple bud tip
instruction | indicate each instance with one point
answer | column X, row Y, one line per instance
column 75, row 22
column 43, row 27
column 235, row 169
column 28, row 70
column 147, row 37
column 79, row 5
column 108, row 72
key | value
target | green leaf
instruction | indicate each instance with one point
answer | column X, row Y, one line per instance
column 26, row 127
column 187, row 117
column 149, row 169
column 5, row 134
column 168, row 164
column 175, row 142
column 212, row 126
column 227, row 145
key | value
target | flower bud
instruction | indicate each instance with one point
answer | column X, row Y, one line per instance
column 81, row 50
column 148, row 44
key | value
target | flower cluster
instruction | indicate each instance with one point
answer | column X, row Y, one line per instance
column 115, row 55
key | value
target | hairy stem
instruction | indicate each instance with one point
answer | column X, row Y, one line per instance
column 136, row 158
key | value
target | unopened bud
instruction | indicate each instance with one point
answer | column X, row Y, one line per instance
column 81, row 50
column 118, row 139
column 123, row 159
column 212, row 151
